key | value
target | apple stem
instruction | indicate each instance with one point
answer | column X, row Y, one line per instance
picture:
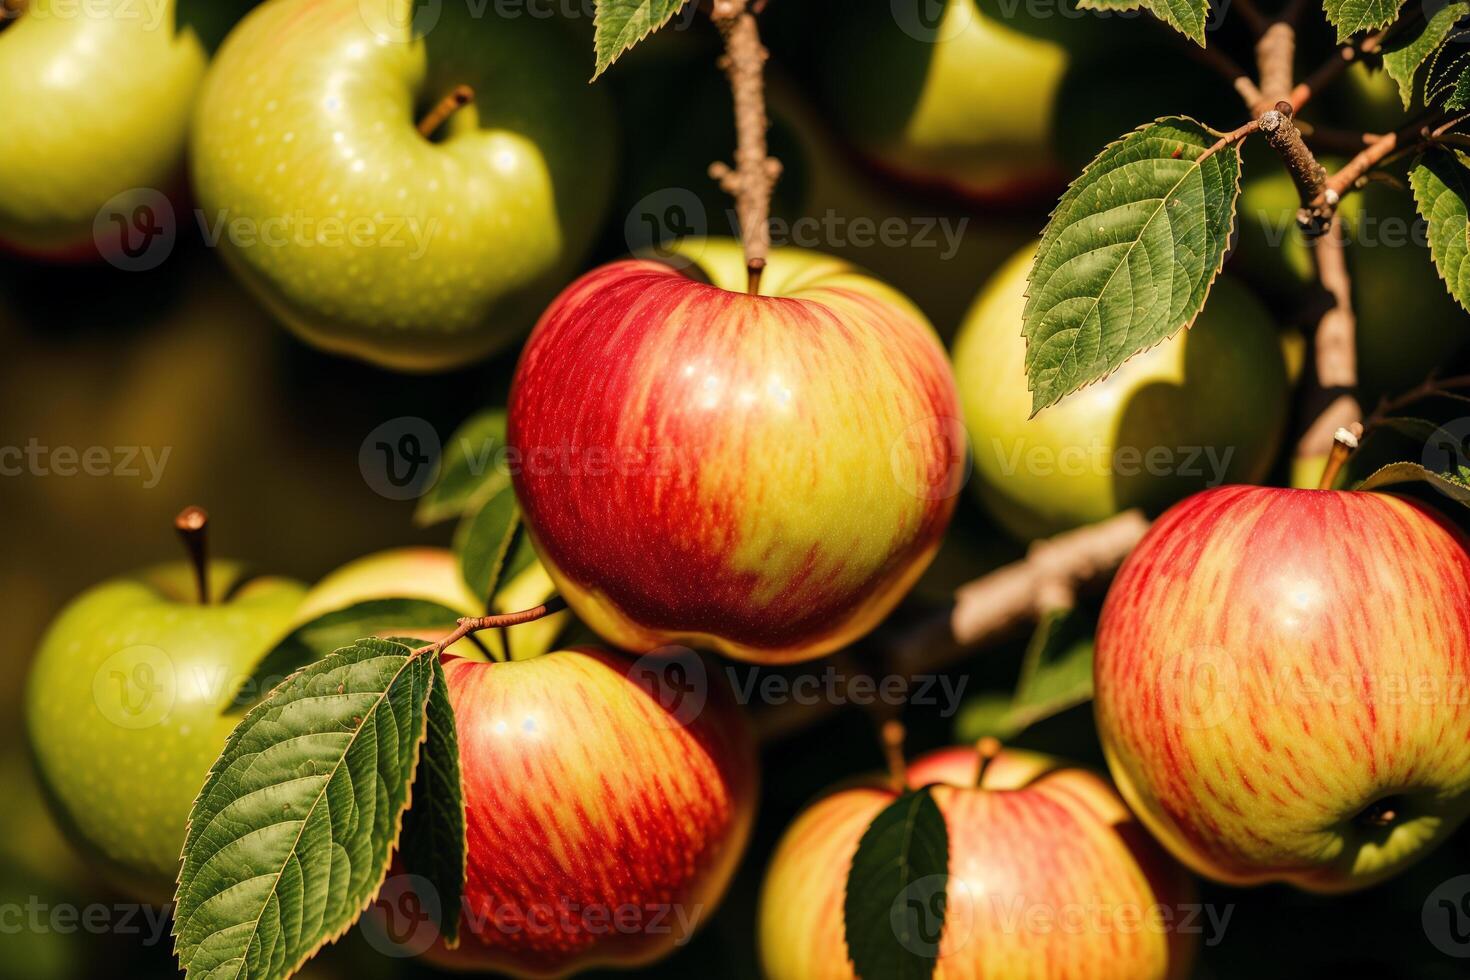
column 893, row 736
column 988, row 748
column 462, row 96
column 192, row 525
column 473, row 624
column 753, row 178
column 1344, row 441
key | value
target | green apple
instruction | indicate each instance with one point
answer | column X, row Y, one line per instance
column 1271, row 251
column 124, row 706
column 1205, row 407
column 433, row 574
column 367, row 238
column 97, row 102
column 1407, row 322
column 962, row 101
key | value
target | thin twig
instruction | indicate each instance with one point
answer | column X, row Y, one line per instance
column 1234, row 136
column 473, row 624
column 1258, row 22
column 1334, row 66
column 753, row 178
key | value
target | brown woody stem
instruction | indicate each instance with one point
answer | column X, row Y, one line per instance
column 1309, row 176
column 1330, row 401
column 192, row 525
column 753, row 178
column 462, row 96
column 893, row 735
column 987, row 748
column 474, row 624
column 1344, row 441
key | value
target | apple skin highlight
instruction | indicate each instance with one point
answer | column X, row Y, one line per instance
column 1275, row 667
column 764, row 475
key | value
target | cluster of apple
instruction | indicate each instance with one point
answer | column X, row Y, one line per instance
column 583, row 787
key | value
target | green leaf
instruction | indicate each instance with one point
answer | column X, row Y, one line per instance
column 433, row 844
column 1188, row 17
column 1356, row 16
column 1441, row 191
column 468, row 474
column 893, row 910
column 290, row 838
column 1454, row 485
column 1419, row 430
column 312, row 641
column 1403, row 57
column 1056, row 676
column 1129, row 255
column 620, row 24
column 484, row 543
column 1447, row 80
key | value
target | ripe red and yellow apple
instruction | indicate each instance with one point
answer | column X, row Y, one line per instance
column 604, row 821
column 97, row 103
column 1281, row 679
column 1030, row 845
column 765, row 475
column 365, row 237
column 1208, row 406
column 125, row 707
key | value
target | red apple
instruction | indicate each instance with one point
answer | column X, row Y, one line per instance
column 1282, row 683
column 603, row 827
column 765, row 475
column 1049, row 877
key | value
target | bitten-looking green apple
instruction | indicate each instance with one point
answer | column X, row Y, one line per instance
column 1205, row 407
column 363, row 235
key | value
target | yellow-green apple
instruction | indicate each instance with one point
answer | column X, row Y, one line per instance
column 1281, row 679
column 1031, row 845
column 605, row 818
column 362, row 235
column 125, row 706
column 765, row 475
column 433, row 575
column 97, row 103
column 1271, row 250
column 945, row 94
column 1169, row 422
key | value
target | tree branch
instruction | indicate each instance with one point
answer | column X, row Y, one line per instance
column 1330, row 401
column 474, row 624
column 753, row 178
column 1275, row 60
column 985, row 610
column 1334, row 66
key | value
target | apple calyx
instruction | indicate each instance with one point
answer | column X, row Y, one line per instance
column 1380, row 814
column 461, row 96
column 192, row 524
column 474, row 624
